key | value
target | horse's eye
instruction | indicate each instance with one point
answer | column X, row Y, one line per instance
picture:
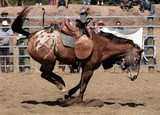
column 136, row 60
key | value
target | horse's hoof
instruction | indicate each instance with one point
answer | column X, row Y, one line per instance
column 64, row 90
column 69, row 102
column 66, row 97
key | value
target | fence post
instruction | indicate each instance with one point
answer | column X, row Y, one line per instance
column 11, row 56
column 151, row 42
column 27, row 58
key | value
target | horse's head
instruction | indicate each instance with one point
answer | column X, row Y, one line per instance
column 131, row 62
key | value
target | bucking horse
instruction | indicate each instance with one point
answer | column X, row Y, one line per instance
column 90, row 48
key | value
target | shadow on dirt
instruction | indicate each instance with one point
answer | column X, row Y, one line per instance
column 88, row 103
column 64, row 103
column 49, row 103
column 129, row 104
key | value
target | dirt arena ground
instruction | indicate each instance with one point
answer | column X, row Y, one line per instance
column 29, row 94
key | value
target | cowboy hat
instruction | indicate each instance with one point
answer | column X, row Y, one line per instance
column 5, row 23
column 4, row 13
column 100, row 23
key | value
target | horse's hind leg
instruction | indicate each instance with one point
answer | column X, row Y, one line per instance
column 74, row 89
column 59, row 81
column 53, row 78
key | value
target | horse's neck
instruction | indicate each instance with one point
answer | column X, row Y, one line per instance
column 111, row 49
column 120, row 50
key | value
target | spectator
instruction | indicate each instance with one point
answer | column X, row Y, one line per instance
column 72, row 1
column 52, row 2
column 146, row 5
column 62, row 3
column 22, row 3
column 99, row 25
column 113, row 2
column 142, row 5
column 100, row 2
column 62, row 66
column 22, row 42
column 6, row 2
column 126, row 4
column 4, row 15
column 86, row 2
column 5, row 34
column 118, row 26
column 38, row 2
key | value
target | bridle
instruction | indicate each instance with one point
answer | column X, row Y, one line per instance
column 130, row 61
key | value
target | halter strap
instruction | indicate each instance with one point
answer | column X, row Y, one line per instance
column 129, row 58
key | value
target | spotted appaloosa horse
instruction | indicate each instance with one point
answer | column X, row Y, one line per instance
column 107, row 50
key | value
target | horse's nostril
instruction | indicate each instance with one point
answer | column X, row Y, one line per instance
column 134, row 77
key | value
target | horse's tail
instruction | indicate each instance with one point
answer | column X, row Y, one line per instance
column 43, row 17
column 18, row 22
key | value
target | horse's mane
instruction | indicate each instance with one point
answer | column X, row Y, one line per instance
column 116, row 38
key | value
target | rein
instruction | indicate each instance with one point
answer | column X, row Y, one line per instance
column 129, row 56
column 80, row 33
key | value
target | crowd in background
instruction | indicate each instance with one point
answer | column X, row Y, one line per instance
column 7, row 38
column 124, row 4
column 128, row 3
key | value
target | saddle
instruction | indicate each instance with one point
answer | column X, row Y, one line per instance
column 64, row 29
column 83, row 43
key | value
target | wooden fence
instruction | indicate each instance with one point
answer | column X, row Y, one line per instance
column 19, row 59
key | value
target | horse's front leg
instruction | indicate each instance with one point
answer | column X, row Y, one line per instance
column 72, row 91
column 85, row 77
column 83, row 84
